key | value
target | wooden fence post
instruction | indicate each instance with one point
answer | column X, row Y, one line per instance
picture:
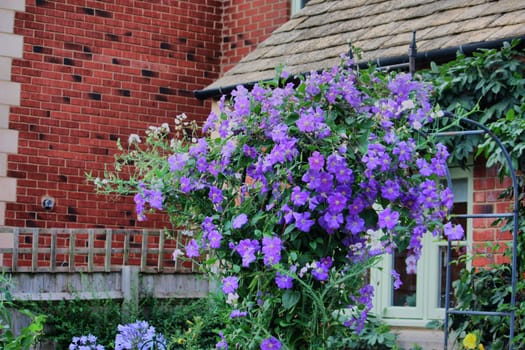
column 130, row 291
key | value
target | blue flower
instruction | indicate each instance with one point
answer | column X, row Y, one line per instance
column 230, row 284
column 283, row 281
column 239, row 221
column 270, row 344
column 138, row 335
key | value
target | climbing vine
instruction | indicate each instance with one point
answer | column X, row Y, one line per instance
column 489, row 87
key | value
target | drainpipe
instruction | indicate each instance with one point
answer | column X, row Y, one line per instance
column 445, row 54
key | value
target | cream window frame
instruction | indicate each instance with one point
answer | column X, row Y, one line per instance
column 296, row 6
column 427, row 298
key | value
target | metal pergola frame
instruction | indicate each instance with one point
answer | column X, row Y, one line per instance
column 479, row 129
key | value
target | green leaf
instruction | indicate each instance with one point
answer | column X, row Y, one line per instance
column 290, row 299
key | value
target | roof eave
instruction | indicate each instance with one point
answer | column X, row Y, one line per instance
column 446, row 54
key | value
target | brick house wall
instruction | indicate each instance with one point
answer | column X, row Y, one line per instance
column 246, row 24
column 489, row 242
column 95, row 71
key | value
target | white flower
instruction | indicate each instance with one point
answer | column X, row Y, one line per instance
column 165, row 128
column 134, row 138
column 232, row 298
column 411, row 263
column 176, row 253
column 407, row 104
column 188, row 233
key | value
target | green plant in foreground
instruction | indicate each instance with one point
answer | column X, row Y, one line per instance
column 28, row 335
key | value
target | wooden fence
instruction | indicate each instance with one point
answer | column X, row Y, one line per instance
column 55, row 264
column 89, row 250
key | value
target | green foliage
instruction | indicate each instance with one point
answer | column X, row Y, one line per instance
column 488, row 290
column 28, row 335
column 72, row 318
column 188, row 324
column 377, row 335
column 490, row 87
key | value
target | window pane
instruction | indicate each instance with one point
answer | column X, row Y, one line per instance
column 455, row 270
column 406, row 294
column 456, row 253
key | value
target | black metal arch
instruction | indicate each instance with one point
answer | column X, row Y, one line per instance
column 480, row 129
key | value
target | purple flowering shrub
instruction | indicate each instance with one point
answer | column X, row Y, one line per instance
column 292, row 192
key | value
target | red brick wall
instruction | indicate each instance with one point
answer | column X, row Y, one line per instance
column 246, row 24
column 487, row 189
column 95, row 71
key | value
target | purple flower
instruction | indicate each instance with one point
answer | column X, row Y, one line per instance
column 140, row 204
column 201, row 164
column 423, row 167
column 439, row 166
column 155, row 198
column 210, row 122
column 303, row 221
column 299, row 197
column 336, row 202
column 185, row 184
column 138, row 335
column 238, row 313
column 271, row 248
column 283, row 281
column 200, row 148
column 239, row 221
column 356, row 206
column 374, row 155
column 447, row 198
column 286, row 214
column 214, row 237
column 397, row 279
column 192, row 249
column 332, row 221
column 249, row 151
column 325, row 183
column 270, row 344
column 279, row 133
column 355, row 224
column 242, row 102
column 316, row 161
column 207, row 224
column 85, row 342
column 334, row 162
column 390, row 190
column 366, row 295
column 404, row 150
column 215, row 195
column 177, row 161
column 411, row 264
column 230, row 284
column 343, row 174
column 453, row 232
column 247, row 249
column 222, row 344
column 320, row 268
column 388, row 219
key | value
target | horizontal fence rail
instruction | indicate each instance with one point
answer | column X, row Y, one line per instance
column 88, row 250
